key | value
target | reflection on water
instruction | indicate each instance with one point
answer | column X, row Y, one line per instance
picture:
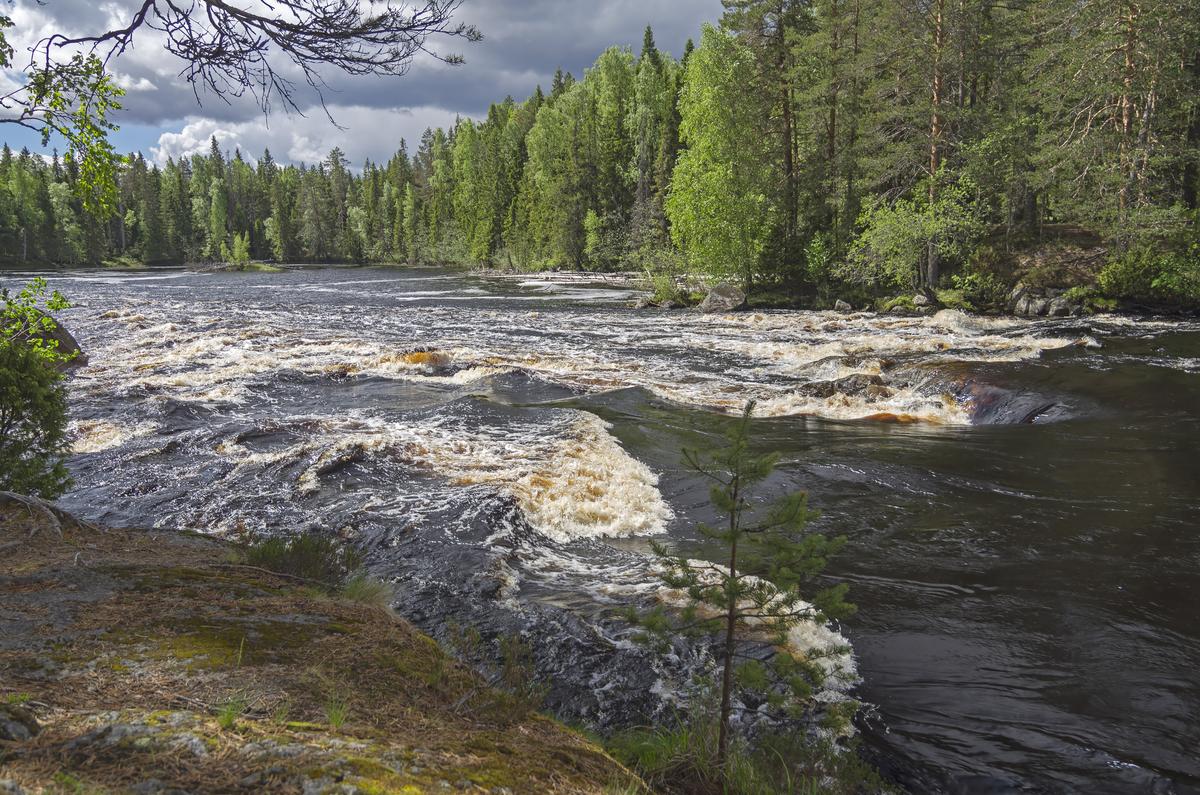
column 1027, row 616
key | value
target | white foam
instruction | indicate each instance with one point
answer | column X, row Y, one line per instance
column 94, row 436
column 571, row 478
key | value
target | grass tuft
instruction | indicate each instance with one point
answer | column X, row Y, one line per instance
column 337, row 710
column 229, row 712
column 309, row 556
column 368, row 590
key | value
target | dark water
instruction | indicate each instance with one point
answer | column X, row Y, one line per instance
column 1028, row 614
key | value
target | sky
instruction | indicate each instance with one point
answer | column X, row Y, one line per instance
column 524, row 42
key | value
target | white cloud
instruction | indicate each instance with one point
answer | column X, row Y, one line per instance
column 373, row 133
column 132, row 84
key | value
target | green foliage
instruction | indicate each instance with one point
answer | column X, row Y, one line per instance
column 33, row 400
column 240, row 254
column 679, row 757
column 1145, row 273
column 25, row 319
column 73, row 100
column 813, row 150
column 1091, row 299
column 665, row 288
column 336, row 709
column 229, row 712
column 314, row 557
column 756, row 593
column 896, row 237
column 977, row 289
column 719, row 207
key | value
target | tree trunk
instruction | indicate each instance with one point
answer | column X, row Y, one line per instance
column 835, row 36
column 121, row 225
column 930, row 276
column 1129, row 48
column 730, row 638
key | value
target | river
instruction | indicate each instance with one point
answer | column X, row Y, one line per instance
column 1020, row 497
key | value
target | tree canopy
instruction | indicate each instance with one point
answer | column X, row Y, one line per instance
column 226, row 50
column 820, row 148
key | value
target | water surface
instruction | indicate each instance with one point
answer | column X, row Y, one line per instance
column 1020, row 497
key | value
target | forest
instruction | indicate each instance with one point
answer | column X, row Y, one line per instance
column 814, row 148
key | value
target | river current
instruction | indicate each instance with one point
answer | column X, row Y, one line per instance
column 1020, row 497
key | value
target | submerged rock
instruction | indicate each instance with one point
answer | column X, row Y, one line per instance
column 723, row 298
column 871, row 385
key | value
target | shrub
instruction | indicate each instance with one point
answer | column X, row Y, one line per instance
column 896, row 237
column 976, row 290
column 33, row 400
column 1091, row 299
column 666, row 288
column 33, row 423
column 885, row 305
column 309, row 556
column 1148, row 273
column 679, row 758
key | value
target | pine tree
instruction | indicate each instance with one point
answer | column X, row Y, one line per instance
column 763, row 588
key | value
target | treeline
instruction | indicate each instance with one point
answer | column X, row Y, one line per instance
column 824, row 147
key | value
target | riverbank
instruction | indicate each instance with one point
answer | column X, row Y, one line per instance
column 150, row 661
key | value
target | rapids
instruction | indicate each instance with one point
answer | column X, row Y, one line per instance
column 1020, row 497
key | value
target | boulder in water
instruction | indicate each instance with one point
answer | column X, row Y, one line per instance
column 723, row 298
column 1014, row 298
column 67, row 344
column 842, row 306
column 1059, row 307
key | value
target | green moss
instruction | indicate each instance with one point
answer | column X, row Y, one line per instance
column 903, row 301
column 304, row 726
column 207, row 643
column 66, row 782
column 955, row 299
column 124, row 263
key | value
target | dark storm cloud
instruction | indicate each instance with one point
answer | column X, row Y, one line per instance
column 524, row 42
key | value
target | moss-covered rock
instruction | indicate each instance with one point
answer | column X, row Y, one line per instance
column 149, row 662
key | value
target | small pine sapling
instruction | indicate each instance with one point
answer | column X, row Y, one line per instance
column 760, row 592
